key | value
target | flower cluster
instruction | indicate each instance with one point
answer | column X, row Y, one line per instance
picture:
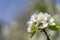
column 40, row 20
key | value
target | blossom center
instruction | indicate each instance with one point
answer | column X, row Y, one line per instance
column 40, row 24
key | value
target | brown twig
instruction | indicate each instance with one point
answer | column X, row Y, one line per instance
column 46, row 34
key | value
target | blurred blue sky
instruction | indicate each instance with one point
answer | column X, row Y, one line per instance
column 58, row 2
column 9, row 8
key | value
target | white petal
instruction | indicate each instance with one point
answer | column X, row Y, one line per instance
column 34, row 17
column 44, row 25
column 29, row 23
column 41, row 13
column 29, row 29
column 45, row 16
column 40, row 17
column 51, row 19
column 51, row 23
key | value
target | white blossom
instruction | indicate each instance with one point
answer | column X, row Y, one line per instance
column 42, row 20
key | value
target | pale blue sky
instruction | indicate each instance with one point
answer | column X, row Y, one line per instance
column 58, row 2
column 9, row 8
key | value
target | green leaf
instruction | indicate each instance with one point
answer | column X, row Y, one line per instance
column 32, row 34
column 33, row 31
column 34, row 28
column 55, row 28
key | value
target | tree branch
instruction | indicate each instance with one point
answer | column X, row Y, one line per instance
column 46, row 34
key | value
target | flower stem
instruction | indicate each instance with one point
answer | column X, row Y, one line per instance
column 46, row 34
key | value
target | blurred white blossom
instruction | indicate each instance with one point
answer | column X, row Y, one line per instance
column 41, row 20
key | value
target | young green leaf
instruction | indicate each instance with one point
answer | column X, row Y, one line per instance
column 55, row 28
column 32, row 34
column 33, row 31
column 34, row 28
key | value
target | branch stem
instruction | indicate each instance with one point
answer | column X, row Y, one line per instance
column 46, row 34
